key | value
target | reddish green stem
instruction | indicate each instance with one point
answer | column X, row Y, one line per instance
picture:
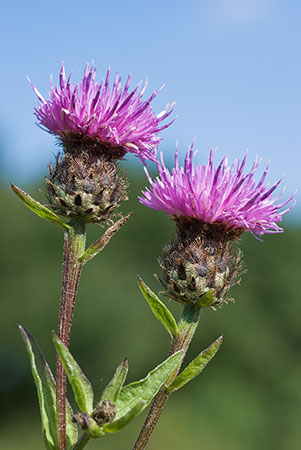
column 74, row 246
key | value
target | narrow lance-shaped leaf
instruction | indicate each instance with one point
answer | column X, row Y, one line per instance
column 45, row 385
column 195, row 367
column 99, row 245
column 80, row 384
column 117, row 425
column 146, row 389
column 112, row 390
column 159, row 309
column 71, row 428
column 37, row 208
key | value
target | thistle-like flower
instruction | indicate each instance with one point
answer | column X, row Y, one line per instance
column 96, row 125
column 117, row 118
column 212, row 207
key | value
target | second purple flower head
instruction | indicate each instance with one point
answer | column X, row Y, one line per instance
column 212, row 207
column 224, row 194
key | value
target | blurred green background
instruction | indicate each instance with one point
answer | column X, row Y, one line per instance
column 233, row 67
column 249, row 397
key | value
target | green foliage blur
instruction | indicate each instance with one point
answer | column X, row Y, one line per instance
column 249, row 396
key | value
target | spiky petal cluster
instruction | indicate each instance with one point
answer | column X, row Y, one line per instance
column 222, row 194
column 116, row 116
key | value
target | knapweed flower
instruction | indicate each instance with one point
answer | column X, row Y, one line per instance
column 96, row 125
column 223, row 195
column 114, row 116
column 212, row 207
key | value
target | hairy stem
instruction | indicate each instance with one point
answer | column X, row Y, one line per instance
column 187, row 325
column 74, row 246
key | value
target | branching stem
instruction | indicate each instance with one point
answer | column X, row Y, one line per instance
column 187, row 326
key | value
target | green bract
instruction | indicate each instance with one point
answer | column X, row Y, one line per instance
column 159, row 309
column 37, row 208
column 98, row 245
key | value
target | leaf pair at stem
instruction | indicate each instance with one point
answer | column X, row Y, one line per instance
column 45, row 213
column 128, row 401
column 163, row 314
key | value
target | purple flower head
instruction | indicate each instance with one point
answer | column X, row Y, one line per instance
column 222, row 195
column 113, row 115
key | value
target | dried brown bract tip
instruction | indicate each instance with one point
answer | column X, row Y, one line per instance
column 77, row 143
column 82, row 419
column 105, row 412
column 202, row 263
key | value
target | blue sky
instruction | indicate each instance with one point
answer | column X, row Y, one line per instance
column 232, row 66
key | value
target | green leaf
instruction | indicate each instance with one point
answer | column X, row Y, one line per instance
column 80, row 384
column 195, row 367
column 146, row 389
column 99, row 245
column 71, row 428
column 46, row 389
column 37, row 208
column 112, row 390
column 47, row 395
column 117, row 425
column 159, row 309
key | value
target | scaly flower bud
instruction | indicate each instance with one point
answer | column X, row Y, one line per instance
column 201, row 265
column 85, row 184
column 105, row 412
